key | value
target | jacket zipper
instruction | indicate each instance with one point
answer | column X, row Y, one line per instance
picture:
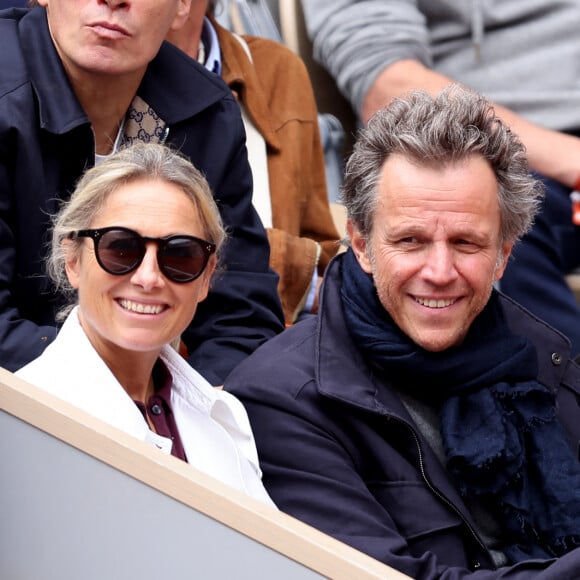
column 434, row 490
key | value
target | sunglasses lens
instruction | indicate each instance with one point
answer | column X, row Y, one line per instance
column 182, row 259
column 120, row 251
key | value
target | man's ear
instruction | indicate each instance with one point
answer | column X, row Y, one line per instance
column 72, row 262
column 504, row 256
column 183, row 8
column 359, row 246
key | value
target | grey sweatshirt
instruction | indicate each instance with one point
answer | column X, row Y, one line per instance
column 523, row 54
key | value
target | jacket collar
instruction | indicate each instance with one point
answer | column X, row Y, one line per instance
column 174, row 86
column 178, row 88
column 71, row 356
column 358, row 385
column 59, row 109
column 241, row 76
column 553, row 348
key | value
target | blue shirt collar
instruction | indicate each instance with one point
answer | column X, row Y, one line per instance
column 213, row 61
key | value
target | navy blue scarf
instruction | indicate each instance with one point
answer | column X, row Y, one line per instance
column 503, row 443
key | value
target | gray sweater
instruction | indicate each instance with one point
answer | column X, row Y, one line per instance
column 523, row 54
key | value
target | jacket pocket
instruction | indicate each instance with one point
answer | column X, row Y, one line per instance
column 425, row 521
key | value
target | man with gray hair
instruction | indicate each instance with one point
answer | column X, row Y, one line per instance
column 523, row 56
column 423, row 417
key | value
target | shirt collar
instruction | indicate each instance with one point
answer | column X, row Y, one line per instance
column 213, row 60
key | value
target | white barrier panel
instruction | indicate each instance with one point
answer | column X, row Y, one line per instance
column 80, row 500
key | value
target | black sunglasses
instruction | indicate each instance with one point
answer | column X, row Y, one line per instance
column 120, row 250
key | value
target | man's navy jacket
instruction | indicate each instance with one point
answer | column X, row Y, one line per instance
column 339, row 450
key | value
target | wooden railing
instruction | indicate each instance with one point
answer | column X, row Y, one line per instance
column 81, row 499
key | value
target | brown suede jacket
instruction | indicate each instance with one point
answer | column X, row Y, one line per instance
column 277, row 93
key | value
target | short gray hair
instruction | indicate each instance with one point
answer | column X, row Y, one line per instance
column 447, row 128
column 136, row 162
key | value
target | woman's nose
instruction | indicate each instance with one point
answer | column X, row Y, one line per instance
column 148, row 275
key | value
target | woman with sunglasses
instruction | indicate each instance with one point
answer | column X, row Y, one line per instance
column 134, row 250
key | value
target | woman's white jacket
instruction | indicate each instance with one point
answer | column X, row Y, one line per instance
column 213, row 425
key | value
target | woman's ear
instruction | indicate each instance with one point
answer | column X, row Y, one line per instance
column 72, row 261
column 207, row 275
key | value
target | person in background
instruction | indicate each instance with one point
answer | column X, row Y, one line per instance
column 273, row 88
column 134, row 250
column 523, row 56
column 423, row 417
column 78, row 79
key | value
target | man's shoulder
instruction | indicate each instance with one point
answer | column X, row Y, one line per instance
column 552, row 347
column 258, row 45
column 287, row 359
column 177, row 86
column 264, row 49
column 294, row 343
column 524, row 322
column 186, row 69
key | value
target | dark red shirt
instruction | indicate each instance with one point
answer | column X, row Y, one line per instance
column 158, row 409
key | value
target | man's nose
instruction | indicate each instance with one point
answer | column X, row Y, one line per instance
column 115, row 4
column 439, row 265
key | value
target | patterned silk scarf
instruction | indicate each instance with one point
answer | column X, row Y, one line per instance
column 503, row 443
column 142, row 123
